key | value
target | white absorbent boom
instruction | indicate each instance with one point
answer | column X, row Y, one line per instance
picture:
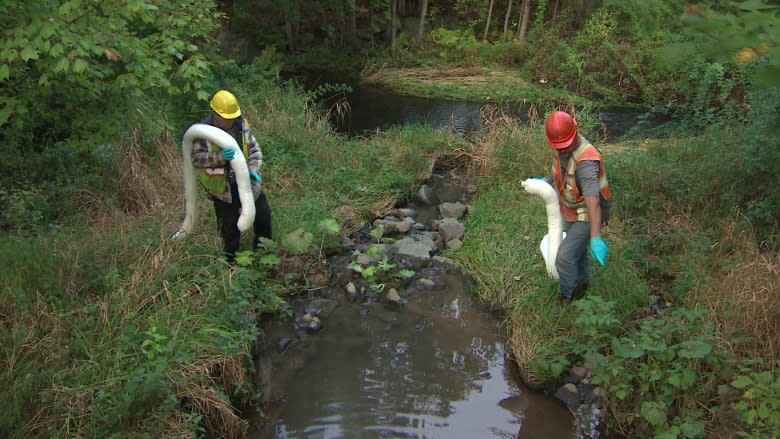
column 552, row 240
column 240, row 169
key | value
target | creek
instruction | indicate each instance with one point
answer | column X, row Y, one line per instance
column 431, row 363
column 372, row 109
column 435, row 368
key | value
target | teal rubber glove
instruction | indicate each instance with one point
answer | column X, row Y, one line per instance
column 599, row 249
column 228, row 154
column 256, row 177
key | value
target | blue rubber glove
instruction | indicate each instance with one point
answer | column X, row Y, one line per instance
column 256, row 177
column 599, row 249
column 228, row 154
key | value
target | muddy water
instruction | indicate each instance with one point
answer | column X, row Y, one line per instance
column 434, row 368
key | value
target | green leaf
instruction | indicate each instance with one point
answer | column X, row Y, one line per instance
column 29, row 53
column 626, row 348
column 203, row 95
column 8, row 109
column 329, row 226
column 57, row 50
column 385, row 265
column 62, row 65
column 694, row 349
column 749, row 416
column 374, row 250
column 556, row 369
column 270, row 260
column 80, row 66
column 653, row 413
column 406, row 273
column 692, row 430
column 369, row 273
column 297, row 241
column 64, row 8
column 763, row 410
column 244, row 259
column 5, row 72
column 683, row 379
column 742, row 382
column 764, row 377
column 377, row 233
column 672, row 433
column 754, row 5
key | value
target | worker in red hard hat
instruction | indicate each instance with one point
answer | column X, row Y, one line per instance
column 579, row 176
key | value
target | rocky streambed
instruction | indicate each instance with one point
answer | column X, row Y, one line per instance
column 389, row 343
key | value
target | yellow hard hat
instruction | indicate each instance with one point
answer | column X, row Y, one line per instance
column 225, row 104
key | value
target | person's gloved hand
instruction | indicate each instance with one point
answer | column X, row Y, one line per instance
column 228, row 154
column 599, row 249
column 255, row 177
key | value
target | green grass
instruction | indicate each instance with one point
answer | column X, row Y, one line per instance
column 108, row 327
column 478, row 84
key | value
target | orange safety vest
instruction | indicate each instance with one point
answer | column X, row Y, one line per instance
column 571, row 201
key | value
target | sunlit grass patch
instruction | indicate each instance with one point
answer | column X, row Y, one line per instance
column 743, row 297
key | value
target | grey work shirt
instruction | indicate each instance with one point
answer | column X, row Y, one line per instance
column 586, row 174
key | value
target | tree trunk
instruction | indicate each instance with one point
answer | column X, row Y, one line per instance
column 421, row 28
column 523, row 32
column 289, row 24
column 506, row 20
column 487, row 24
column 352, row 22
column 393, row 9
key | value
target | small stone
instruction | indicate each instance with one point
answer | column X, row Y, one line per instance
column 452, row 210
column 284, row 343
column 454, row 244
column 569, row 394
column 427, row 284
column 315, row 325
column 577, row 374
column 392, row 296
column 351, row 291
column 593, row 396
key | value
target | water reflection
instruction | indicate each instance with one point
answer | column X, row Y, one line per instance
column 374, row 108
column 432, row 370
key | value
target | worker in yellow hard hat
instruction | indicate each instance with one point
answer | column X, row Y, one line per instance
column 216, row 175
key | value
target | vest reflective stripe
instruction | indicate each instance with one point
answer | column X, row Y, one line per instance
column 572, row 202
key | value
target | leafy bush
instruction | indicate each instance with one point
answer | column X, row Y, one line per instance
column 457, row 46
column 65, row 63
column 23, row 210
column 759, row 402
column 649, row 373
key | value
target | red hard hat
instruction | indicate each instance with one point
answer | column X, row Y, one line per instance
column 560, row 129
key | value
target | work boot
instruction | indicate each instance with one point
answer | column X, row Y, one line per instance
column 564, row 301
column 580, row 291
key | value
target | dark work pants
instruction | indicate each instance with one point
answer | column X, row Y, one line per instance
column 227, row 221
column 573, row 260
